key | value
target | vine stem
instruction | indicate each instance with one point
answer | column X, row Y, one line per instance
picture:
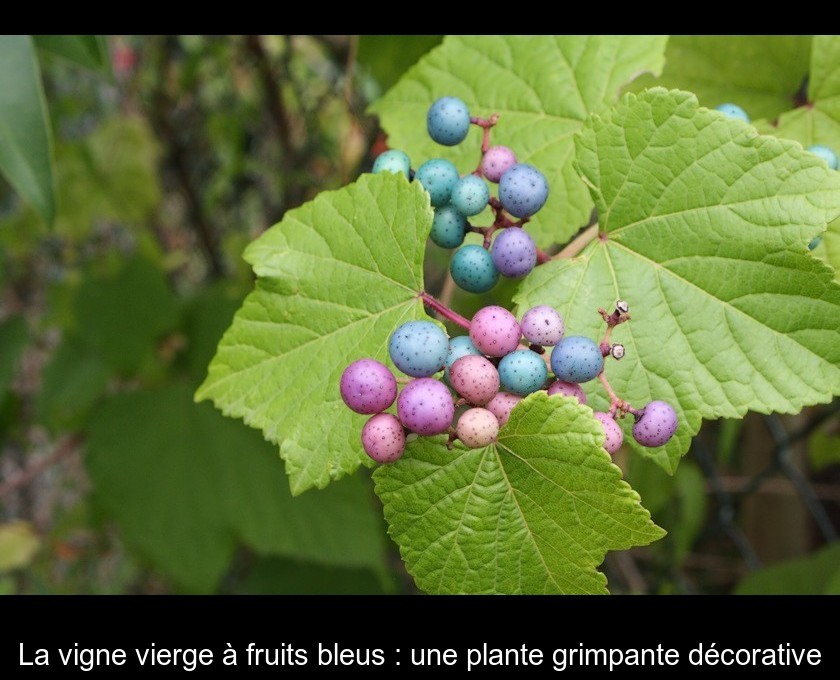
column 616, row 403
column 578, row 243
column 443, row 310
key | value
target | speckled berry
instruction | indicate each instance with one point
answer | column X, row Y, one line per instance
column 475, row 379
column 656, row 425
column 522, row 372
column 523, row 190
column 394, row 161
column 477, row 427
column 449, row 227
column 612, row 432
column 383, row 438
column 733, row 111
column 438, row 177
column 425, row 406
column 501, row 405
column 473, row 270
column 459, row 346
column 470, row 195
column 567, row 389
column 368, row 386
column 495, row 331
column 514, row 253
column 418, row 348
column 448, row 121
column 543, row 325
column 576, row 359
column 496, row 161
column 825, row 153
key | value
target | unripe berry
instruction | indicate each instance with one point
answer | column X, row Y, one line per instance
column 368, row 386
column 567, row 389
column 425, row 406
column 501, row 405
column 475, row 379
column 495, row 331
column 383, row 438
column 613, row 434
column 477, row 427
column 543, row 325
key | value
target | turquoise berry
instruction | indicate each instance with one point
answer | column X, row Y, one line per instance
column 393, row 160
column 438, row 177
column 825, row 153
column 418, row 348
column 734, row 111
column 448, row 227
column 448, row 121
column 470, row 195
column 473, row 269
column 576, row 359
column 522, row 372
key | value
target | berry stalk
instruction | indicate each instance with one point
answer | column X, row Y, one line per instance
column 444, row 311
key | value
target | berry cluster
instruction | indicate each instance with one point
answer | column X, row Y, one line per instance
column 523, row 190
column 490, row 370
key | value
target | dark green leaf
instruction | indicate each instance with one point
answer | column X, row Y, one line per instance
column 90, row 51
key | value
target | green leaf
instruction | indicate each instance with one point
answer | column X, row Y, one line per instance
column 335, row 278
column 759, row 73
column 13, row 337
column 389, row 56
column 543, row 87
column 90, row 51
column 534, row 513
column 814, row 574
column 18, row 544
column 823, row 448
column 185, row 484
column 25, row 135
column 707, row 226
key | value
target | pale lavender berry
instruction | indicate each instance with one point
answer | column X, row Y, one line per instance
column 656, row 425
column 425, row 406
column 501, row 405
column 477, row 427
column 496, row 161
column 383, row 438
column 495, row 331
column 368, row 386
column 567, row 389
column 612, row 432
column 475, row 379
column 543, row 325
column 514, row 253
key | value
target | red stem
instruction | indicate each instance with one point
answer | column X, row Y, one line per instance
column 444, row 311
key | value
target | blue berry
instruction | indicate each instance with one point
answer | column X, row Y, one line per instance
column 522, row 372
column 523, row 190
column 514, row 253
column 576, row 359
column 393, row 160
column 449, row 227
column 438, row 177
column 448, row 121
column 825, row 153
column 418, row 348
column 734, row 111
column 459, row 346
column 470, row 195
column 473, row 269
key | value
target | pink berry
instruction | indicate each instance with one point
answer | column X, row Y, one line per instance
column 425, row 406
column 543, row 325
column 368, row 386
column 614, row 437
column 475, row 379
column 567, row 389
column 383, row 438
column 495, row 331
column 496, row 161
column 477, row 427
column 501, row 405
column 656, row 425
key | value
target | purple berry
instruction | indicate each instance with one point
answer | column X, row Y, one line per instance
column 497, row 160
column 523, row 190
column 477, row 427
column 567, row 389
column 612, row 432
column 425, row 406
column 543, row 325
column 368, row 386
column 514, row 253
column 475, row 379
column 383, row 438
column 656, row 425
column 495, row 331
column 501, row 405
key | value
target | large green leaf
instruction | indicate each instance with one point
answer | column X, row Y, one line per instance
column 707, row 226
column 389, row 56
column 185, row 484
column 542, row 86
column 760, row 73
column 25, row 135
column 90, row 51
column 335, row 278
column 814, row 574
column 534, row 513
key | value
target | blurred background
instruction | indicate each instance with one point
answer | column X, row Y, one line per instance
column 171, row 154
